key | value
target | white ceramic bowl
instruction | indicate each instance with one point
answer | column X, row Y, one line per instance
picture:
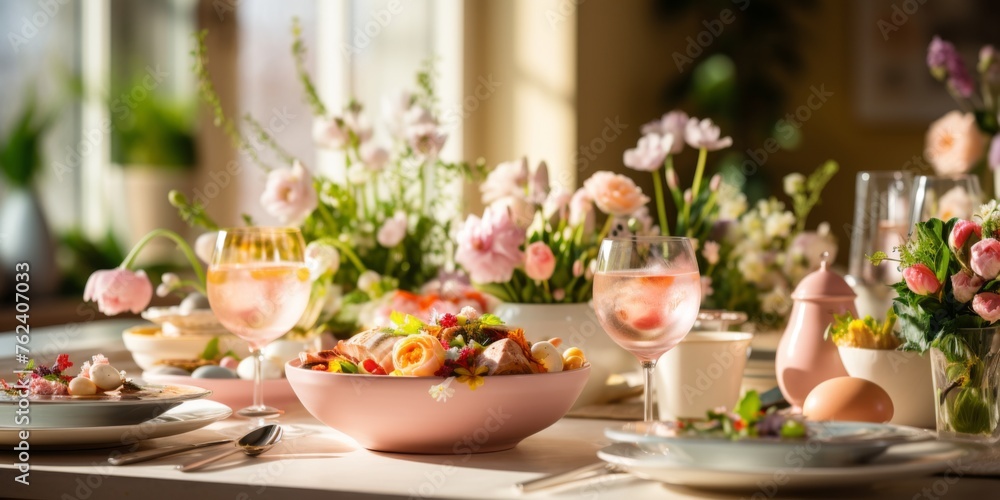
column 399, row 414
column 906, row 376
column 149, row 345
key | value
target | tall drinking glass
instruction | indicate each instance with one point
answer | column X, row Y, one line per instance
column 945, row 197
column 647, row 293
column 258, row 287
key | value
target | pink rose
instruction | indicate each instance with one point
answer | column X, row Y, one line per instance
column 539, row 262
column 490, row 248
column 649, row 153
column 985, row 259
column 615, row 194
column 119, row 290
column 987, row 305
column 289, row 194
column 954, row 143
column 393, row 230
column 921, row 280
column 965, row 285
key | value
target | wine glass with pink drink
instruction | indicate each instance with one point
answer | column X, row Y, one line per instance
column 258, row 287
column 647, row 293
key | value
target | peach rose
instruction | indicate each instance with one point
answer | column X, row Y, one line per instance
column 418, row 355
column 615, row 194
column 954, row 143
column 539, row 263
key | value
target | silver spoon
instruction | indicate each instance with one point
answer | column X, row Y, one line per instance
column 254, row 443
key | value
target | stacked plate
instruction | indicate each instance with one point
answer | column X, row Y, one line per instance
column 112, row 419
column 834, row 454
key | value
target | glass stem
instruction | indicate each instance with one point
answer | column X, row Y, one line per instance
column 258, row 380
column 647, row 394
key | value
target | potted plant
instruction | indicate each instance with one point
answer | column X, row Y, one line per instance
column 24, row 232
column 152, row 141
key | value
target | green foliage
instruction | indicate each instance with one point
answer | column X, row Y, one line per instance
column 20, row 147
column 748, row 407
column 79, row 257
column 152, row 131
column 804, row 201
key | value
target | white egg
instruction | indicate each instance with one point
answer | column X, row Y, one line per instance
column 105, row 377
column 270, row 368
column 81, row 386
column 548, row 355
column 283, row 350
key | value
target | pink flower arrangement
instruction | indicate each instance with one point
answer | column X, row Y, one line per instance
column 949, row 278
column 534, row 242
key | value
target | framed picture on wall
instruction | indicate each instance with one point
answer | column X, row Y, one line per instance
column 891, row 80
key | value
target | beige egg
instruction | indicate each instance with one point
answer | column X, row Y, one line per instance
column 105, row 377
column 848, row 399
column 548, row 355
column 81, row 386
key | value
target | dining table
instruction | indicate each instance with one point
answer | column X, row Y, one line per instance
column 313, row 460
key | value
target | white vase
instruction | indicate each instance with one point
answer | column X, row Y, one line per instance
column 25, row 237
column 577, row 326
column 906, row 376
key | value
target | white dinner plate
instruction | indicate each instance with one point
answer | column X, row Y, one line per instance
column 187, row 417
column 829, row 444
column 902, row 461
column 100, row 410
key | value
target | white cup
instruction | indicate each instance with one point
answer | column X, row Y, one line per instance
column 703, row 372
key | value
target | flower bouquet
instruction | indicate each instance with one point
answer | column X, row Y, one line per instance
column 537, row 245
column 949, row 304
column 749, row 260
column 385, row 221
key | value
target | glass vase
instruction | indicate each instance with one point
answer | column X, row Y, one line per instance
column 965, row 369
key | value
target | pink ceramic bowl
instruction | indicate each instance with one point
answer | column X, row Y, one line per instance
column 398, row 414
column 234, row 393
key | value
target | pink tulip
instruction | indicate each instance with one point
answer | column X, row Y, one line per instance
column 921, row 280
column 960, row 234
column 649, row 153
column 539, row 262
column 986, row 258
column 965, row 285
column 119, row 290
column 987, row 306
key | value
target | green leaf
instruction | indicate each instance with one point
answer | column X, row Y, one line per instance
column 347, row 366
column 490, row 319
column 748, row 408
column 877, row 257
column 211, row 351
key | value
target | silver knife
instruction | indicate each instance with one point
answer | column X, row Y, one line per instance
column 142, row 456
